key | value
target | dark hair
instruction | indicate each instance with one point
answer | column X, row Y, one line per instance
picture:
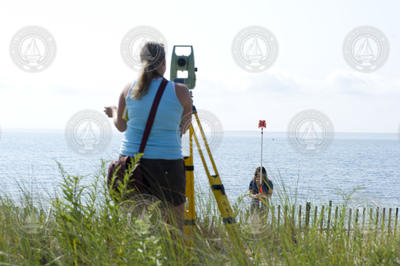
column 151, row 56
column 264, row 172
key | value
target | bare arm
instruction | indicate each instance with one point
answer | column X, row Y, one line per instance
column 117, row 113
column 183, row 94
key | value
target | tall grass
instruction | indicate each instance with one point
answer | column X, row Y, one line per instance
column 81, row 225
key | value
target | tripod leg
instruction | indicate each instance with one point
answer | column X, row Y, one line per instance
column 205, row 143
column 214, row 180
column 190, row 212
column 219, row 193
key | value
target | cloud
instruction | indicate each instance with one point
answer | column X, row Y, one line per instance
column 362, row 84
column 276, row 82
column 336, row 83
column 267, row 82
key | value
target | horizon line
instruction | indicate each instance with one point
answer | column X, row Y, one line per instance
column 229, row 130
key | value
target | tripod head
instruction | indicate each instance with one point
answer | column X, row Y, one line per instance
column 182, row 66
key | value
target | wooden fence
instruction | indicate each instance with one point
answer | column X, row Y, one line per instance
column 329, row 217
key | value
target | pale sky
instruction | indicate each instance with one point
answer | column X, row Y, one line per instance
column 309, row 73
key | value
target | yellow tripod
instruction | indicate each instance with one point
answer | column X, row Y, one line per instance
column 183, row 63
column 216, row 186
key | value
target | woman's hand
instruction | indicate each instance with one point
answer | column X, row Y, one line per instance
column 111, row 111
column 253, row 196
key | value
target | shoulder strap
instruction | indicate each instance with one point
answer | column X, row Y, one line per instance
column 152, row 114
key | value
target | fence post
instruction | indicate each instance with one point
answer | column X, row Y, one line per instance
column 308, row 208
column 356, row 222
column 349, row 224
column 357, row 213
column 322, row 217
column 315, row 215
column 383, row 217
column 336, row 215
column 363, row 219
column 293, row 217
column 395, row 221
column 389, row 221
column 299, row 217
column 371, row 218
column 383, row 223
column 329, row 214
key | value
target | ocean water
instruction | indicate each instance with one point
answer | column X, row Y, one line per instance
column 368, row 164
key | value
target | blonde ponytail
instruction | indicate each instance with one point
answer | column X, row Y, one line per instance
column 151, row 56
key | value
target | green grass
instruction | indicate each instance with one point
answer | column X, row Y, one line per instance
column 81, row 225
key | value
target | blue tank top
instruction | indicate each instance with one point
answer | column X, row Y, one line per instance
column 164, row 141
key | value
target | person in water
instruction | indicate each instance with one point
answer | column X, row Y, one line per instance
column 162, row 163
column 260, row 196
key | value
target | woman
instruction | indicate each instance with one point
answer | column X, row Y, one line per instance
column 163, row 165
column 260, row 196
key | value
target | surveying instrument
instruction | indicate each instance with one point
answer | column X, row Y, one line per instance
column 183, row 71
